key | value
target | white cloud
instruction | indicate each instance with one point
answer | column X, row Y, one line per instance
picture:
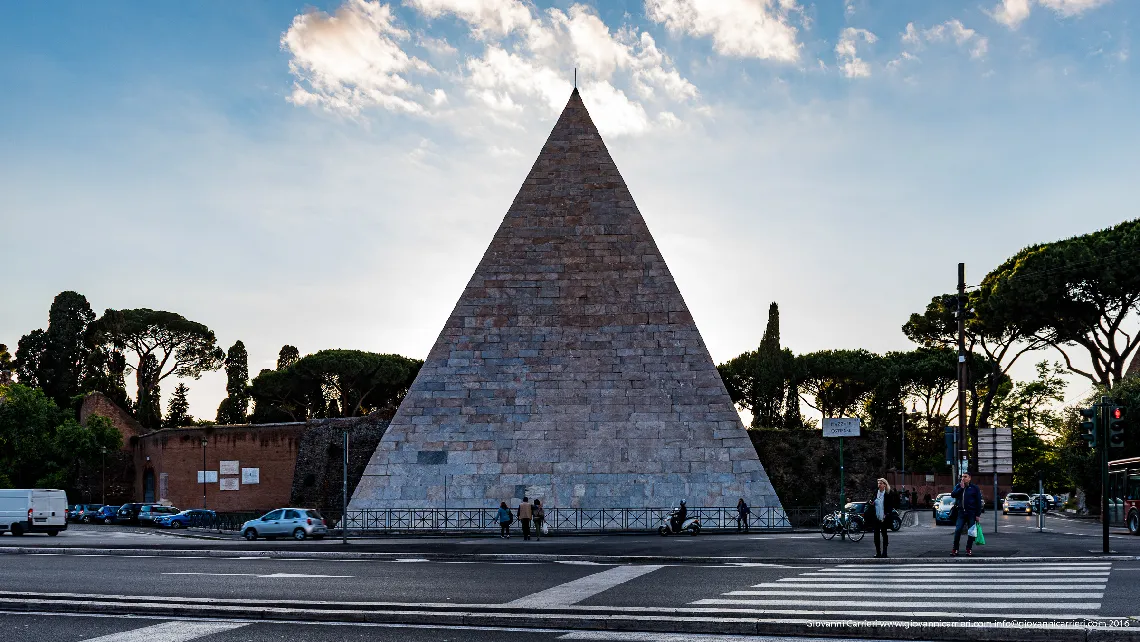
column 949, row 31
column 846, row 52
column 743, row 28
column 359, row 58
column 486, row 17
column 1012, row 13
column 353, row 59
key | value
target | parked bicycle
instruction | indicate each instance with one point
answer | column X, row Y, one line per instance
column 846, row 524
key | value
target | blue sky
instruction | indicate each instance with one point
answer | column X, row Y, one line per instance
column 329, row 175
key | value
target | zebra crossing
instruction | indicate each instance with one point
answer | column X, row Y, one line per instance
column 1058, row 591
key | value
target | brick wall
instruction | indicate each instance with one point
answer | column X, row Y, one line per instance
column 97, row 403
column 177, row 454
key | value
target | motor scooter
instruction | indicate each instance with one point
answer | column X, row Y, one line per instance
column 691, row 525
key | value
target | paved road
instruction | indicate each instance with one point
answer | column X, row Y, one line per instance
column 29, row 628
column 1016, row 536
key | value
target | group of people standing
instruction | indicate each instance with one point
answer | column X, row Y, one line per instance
column 528, row 514
column 966, row 495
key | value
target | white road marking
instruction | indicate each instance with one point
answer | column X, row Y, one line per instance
column 580, row 589
column 630, row 636
column 275, row 575
column 179, row 631
column 411, row 559
column 1058, row 590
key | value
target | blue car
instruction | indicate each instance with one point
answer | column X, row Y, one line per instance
column 186, row 518
column 945, row 512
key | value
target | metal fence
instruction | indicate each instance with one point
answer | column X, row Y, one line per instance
column 563, row 520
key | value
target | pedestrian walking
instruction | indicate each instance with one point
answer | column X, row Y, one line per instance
column 742, row 513
column 539, row 516
column 968, row 498
column 505, row 520
column 525, row 512
column 877, row 515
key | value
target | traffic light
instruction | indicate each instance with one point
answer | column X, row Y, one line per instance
column 1088, row 425
column 1115, row 426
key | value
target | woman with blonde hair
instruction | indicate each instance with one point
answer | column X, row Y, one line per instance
column 878, row 515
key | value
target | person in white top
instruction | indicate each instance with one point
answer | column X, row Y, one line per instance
column 878, row 515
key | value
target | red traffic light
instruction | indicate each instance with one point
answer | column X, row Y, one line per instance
column 1117, row 413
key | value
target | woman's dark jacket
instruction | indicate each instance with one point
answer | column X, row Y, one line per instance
column 890, row 503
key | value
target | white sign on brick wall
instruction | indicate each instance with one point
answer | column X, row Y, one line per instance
column 228, row 483
column 250, row 475
column 228, row 467
column 211, row 476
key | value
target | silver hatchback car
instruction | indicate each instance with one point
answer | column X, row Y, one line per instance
column 297, row 523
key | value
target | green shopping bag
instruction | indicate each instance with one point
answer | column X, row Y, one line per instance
column 981, row 539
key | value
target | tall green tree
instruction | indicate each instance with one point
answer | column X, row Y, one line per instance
column 179, row 347
column 178, row 408
column 7, row 365
column 840, row 382
column 1075, row 295
column 762, row 380
column 41, row 445
column 53, row 359
column 287, row 356
column 333, row 383
column 234, row 409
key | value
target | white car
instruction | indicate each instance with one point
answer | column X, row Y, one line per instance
column 297, row 523
column 1016, row 503
column 33, row 510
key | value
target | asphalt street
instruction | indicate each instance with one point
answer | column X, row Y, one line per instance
column 37, row 628
column 1017, row 536
column 1020, row 575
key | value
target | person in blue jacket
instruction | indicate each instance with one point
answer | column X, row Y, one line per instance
column 968, row 498
column 505, row 518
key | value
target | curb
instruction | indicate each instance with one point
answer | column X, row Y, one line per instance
column 597, row 618
column 532, row 557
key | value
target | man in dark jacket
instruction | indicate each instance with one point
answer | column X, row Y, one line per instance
column 877, row 515
column 968, row 498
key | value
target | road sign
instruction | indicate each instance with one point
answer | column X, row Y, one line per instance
column 841, row 427
column 995, row 447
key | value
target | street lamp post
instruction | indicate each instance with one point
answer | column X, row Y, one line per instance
column 103, row 475
column 204, row 442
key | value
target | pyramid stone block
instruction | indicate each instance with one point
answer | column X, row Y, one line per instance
column 570, row 369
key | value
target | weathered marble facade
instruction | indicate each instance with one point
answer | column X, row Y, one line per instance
column 570, row 369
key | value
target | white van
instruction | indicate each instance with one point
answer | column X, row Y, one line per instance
column 34, row 510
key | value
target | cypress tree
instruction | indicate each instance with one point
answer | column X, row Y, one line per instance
column 234, row 409
column 149, row 410
column 178, row 409
column 287, row 357
column 770, row 375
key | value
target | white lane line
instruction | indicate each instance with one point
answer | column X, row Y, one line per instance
column 277, row 575
column 179, row 631
column 1003, row 565
column 933, row 575
column 824, row 581
column 875, row 603
column 915, row 587
column 580, row 589
column 980, row 594
column 411, row 559
column 622, row 636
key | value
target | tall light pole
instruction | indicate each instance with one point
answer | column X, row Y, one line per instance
column 204, row 442
column 103, row 475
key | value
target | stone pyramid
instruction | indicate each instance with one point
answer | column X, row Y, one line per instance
column 570, row 369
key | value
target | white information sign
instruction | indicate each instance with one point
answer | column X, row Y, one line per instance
column 228, row 467
column 995, row 450
column 841, row 427
column 250, row 475
column 229, row 483
column 211, row 476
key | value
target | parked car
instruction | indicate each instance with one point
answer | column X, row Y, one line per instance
column 935, row 503
column 105, row 515
column 83, row 512
column 945, row 511
column 861, row 508
column 297, row 523
column 186, row 519
column 144, row 514
column 38, row 510
column 1016, row 503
